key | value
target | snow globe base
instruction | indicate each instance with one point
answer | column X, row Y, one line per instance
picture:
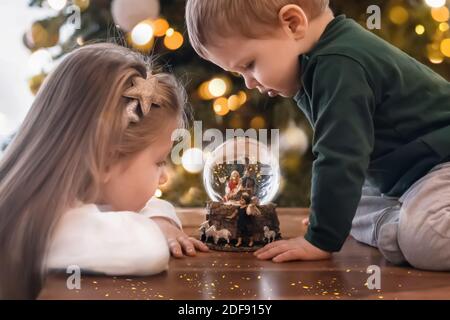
column 225, row 235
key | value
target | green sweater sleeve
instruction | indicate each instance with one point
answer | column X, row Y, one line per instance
column 343, row 105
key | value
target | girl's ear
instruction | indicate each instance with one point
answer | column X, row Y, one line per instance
column 107, row 175
column 294, row 21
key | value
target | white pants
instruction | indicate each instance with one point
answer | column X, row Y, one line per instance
column 414, row 228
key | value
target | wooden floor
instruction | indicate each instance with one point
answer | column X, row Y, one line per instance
column 234, row 276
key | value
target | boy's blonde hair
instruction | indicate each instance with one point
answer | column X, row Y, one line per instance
column 206, row 19
column 74, row 132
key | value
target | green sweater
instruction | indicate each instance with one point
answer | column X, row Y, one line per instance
column 378, row 115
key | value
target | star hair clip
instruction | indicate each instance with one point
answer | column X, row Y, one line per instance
column 143, row 95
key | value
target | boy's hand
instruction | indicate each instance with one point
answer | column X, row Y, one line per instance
column 178, row 241
column 293, row 249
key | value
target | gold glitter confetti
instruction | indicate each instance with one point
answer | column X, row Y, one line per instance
column 293, row 284
column 305, row 287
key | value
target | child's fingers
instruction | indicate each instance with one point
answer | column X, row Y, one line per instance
column 269, row 254
column 269, row 247
column 289, row 255
column 199, row 245
column 187, row 245
column 305, row 221
column 175, row 248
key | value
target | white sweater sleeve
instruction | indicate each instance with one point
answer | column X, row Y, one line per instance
column 113, row 243
column 161, row 208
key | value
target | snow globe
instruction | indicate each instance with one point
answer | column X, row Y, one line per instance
column 241, row 178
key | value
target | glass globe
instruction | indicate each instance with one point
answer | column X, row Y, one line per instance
column 241, row 165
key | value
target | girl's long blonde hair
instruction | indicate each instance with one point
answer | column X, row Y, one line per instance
column 73, row 133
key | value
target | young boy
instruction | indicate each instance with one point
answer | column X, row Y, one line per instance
column 381, row 124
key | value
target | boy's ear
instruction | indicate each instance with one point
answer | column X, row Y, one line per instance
column 294, row 21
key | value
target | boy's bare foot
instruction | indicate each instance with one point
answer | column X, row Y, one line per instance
column 250, row 244
column 238, row 244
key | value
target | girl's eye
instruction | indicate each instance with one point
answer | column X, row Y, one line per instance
column 162, row 164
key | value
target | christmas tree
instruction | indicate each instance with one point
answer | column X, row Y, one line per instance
column 220, row 100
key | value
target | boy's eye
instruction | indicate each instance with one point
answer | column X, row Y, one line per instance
column 250, row 65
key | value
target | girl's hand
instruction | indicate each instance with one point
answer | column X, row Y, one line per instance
column 178, row 241
column 290, row 250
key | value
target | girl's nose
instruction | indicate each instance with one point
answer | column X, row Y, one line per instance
column 163, row 177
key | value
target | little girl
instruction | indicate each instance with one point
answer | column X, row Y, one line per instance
column 77, row 182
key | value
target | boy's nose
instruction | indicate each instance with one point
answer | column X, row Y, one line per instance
column 163, row 178
column 250, row 82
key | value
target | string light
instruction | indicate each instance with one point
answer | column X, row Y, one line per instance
column 445, row 47
column 435, row 3
column 443, row 26
column 217, row 87
column 160, row 27
column 441, row 14
column 170, row 32
column 203, row 91
column 193, row 160
column 242, row 97
column 234, row 103
column 258, row 122
column 82, row 4
column 158, row 193
column 420, row 29
column 173, row 39
column 57, row 4
column 142, row 34
column 80, row 41
column 398, row 15
column 40, row 61
column 221, row 106
column 236, row 121
column 435, row 57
